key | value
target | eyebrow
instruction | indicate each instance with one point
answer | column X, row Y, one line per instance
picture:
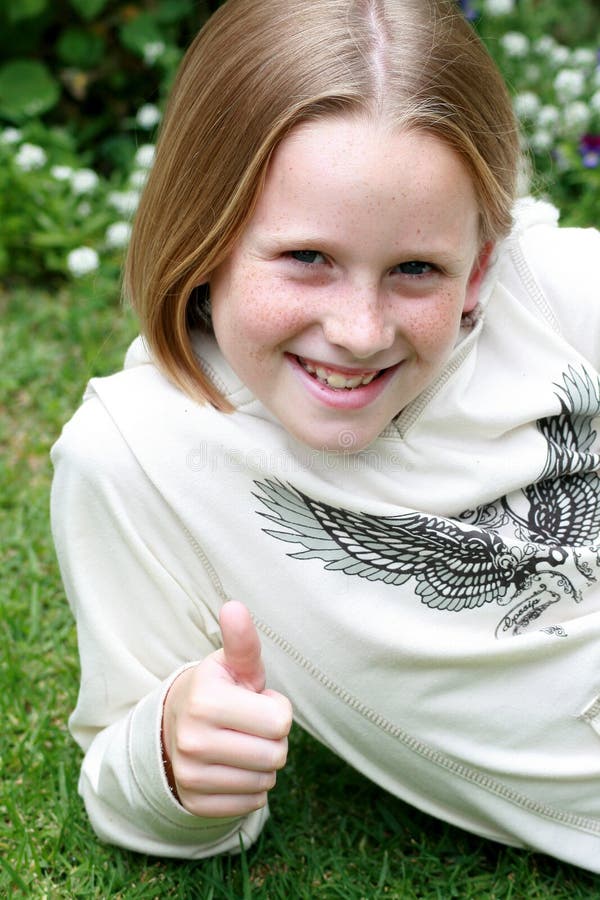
column 270, row 241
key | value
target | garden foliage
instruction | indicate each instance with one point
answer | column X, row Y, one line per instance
column 83, row 83
column 89, row 65
column 71, row 171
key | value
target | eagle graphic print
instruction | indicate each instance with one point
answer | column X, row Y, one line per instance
column 464, row 563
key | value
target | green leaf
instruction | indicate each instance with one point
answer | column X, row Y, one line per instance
column 170, row 11
column 88, row 9
column 80, row 48
column 27, row 89
column 17, row 10
column 140, row 31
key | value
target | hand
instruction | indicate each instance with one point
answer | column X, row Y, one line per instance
column 224, row 734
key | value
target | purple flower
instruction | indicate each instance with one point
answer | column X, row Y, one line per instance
column 469, row 12
column 589, row 147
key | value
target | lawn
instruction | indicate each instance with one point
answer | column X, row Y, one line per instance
column 332, row 834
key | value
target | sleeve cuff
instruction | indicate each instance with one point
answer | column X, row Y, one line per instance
column 145, row 759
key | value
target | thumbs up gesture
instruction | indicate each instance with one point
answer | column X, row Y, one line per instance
column 224, row 734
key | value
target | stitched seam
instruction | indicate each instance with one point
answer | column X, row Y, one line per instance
column 531, row 286
column 413, row 411
column 480, row 779
column 590, row 713
column 212, row 375
column 206, row 563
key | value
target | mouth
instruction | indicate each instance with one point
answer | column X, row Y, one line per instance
column 339, row 379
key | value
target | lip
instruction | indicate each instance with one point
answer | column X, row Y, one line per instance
column 354, row 399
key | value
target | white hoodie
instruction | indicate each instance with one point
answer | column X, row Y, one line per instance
column 430, row 605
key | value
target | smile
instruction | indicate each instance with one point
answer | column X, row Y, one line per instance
column 335, row 378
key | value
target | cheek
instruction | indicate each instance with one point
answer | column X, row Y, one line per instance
column 270, row 321
column 434, row 327
column 253, row 317
column 263, row 310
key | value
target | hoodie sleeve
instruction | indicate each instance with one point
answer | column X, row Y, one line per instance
column 139, row 592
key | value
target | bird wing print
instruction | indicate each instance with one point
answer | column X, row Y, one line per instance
column 570, row 435
column 454, row 566
column 565, row 502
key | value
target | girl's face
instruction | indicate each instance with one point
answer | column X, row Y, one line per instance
column 343, row 297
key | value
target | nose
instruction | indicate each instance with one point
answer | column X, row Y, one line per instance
column 360, row 323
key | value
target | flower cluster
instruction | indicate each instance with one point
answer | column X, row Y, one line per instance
column 556, row 95
column 60, row 216
column 560, row 94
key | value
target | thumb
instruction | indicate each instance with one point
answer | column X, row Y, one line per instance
column 241, row 646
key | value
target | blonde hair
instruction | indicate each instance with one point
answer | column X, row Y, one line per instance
column 257, row 69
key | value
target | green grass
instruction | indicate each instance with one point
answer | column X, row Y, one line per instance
column 332, row 834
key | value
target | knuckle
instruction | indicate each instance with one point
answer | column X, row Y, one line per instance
column 185, row 778
column 202, row 707
column 191, row 743
column 184, row 746
column 202, row 806
column 283, row 717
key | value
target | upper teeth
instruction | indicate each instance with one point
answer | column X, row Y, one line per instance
column 336, row 379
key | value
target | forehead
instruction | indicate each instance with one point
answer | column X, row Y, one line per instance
column 352, row 170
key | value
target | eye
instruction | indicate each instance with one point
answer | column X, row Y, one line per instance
column 415, row 267
column 307, row 257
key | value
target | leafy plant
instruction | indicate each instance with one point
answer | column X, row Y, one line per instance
column 59, row 217
column 88, row 65
column 555, row 82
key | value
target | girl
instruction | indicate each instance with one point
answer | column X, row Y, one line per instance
column 365, row 404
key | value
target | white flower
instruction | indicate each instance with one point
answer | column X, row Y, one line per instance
column 548, row 116
column 84, row 209
column 576, row 116
column 515, row 43
column 145, row 156
column 595, row 102
column 29, row 157
column 82, row 261
column 138, row 179
column 532, row 72
column 148, row 115
column 544, row 45
column 84, row 181
column 584, row 57
column 559, row 55
column 124, row 202
column 153, row 51
column 526, row 105
column 61, row 173
column 541, row 140
column 596, row 77
column 10, row 136
column 118, row 234
column 569, row 84
column 498, row 7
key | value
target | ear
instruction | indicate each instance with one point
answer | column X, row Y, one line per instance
column 480, row 267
